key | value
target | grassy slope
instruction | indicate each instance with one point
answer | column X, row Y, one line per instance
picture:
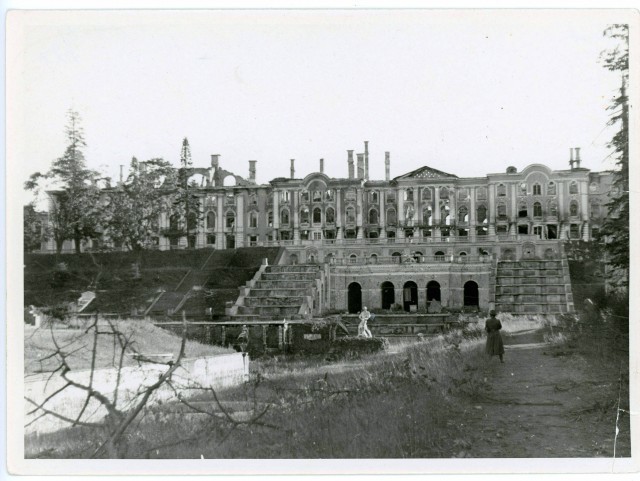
column 146, row 338
column 111, row 276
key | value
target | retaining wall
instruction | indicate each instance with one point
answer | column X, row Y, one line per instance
column 211, row 372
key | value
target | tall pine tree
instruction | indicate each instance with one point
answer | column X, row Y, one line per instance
column 74, row 208
column 186, row 205
column 615, row 229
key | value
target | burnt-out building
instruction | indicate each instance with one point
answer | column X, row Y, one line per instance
column 406, row 241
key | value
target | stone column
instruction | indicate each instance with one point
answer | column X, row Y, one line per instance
column 436, row 214
column 584, row 200
column 491, row 212
column 584, row 208
column 560, row 186
column 359, row 214
column 400, row 213
column 472, row 213
column 383, row 216
column 276, row 209
column 220, row 222
column 339, row 228
column 240, row 240
column 295, row 203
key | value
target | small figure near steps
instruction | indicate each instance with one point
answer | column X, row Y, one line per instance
column 363, row 330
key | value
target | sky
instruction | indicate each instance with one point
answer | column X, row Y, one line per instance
column 466, row 92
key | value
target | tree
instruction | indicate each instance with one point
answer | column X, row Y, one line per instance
column 615, row 228
column 98, row 379
column 186, row 205
column 74, row 209
column 135, row 206
column 34, row 231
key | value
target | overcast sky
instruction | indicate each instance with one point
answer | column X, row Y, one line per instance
column 464, row 92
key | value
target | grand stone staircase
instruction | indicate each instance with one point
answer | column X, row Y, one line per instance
column 533, row 287
column 280, row 292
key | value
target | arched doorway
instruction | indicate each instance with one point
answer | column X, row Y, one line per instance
column 471, row 294
column 354, row 298
column 388, row 295
column 410, row 296
column 433, row 292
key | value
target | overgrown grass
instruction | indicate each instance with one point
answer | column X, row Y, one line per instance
column 148, row 339
column 382, row 405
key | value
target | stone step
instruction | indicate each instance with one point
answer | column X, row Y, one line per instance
column 279, row 292
column 531, row 289
column 273, row 301
column 283, row 284
column 537, row 308
column 292, row 269
column 532, row 264
column 282, row 310
column 277, row 276
column 509, row 281
column 506, row 272
column 530, row 298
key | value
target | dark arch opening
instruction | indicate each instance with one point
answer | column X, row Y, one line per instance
column 433, row 292
column 354, row 298
column 410, row 295
column 471, row 294
column 388, row 295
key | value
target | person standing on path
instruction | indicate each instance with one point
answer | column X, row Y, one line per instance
column 494, row 339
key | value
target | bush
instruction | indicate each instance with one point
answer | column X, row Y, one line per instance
column 353, row 345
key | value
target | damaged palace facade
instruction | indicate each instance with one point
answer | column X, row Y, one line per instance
column 492, row 241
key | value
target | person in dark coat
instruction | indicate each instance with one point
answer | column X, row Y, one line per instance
column 494, row 339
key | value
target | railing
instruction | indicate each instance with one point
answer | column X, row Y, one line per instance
column 412, row 240
column 411, row 260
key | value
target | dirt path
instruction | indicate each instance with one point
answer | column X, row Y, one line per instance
column 543, row 402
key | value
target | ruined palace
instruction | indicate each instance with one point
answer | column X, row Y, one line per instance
column 420, row 239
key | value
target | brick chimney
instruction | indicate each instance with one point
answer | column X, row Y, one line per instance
column 366, row 160
column 387, row 166
column 577, row 159
column 293, row 168
column 322, row 166
column 215, row 159
column 252, row 170
column 360, row 166
column 350, row 162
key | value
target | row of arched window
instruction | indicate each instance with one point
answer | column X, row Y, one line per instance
column 536, row 189
column 315, row 215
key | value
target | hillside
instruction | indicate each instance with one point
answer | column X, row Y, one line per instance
column 126, row 282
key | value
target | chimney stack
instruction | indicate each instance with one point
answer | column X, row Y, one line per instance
column 577, row 159
column 293, row 168
column 360, row 166
column 350, row 162
column 322, row 166
column 215, row 160
column 387, row 166
column 366, row 160
column 121, row 167
column 252, row 170
column 571, row 157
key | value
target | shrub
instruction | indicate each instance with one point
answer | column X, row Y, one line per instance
column 353, row 345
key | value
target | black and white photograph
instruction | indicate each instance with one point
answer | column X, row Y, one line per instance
column 321, row 241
